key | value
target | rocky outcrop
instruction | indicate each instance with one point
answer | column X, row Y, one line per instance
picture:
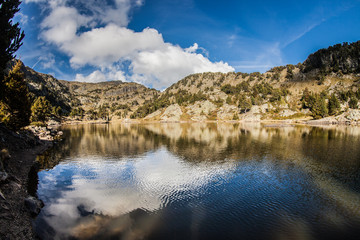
column 287, row 113
column 351, row 116
column 47, row 133
column 200, row 111
column 228, row 112
column 172, row 113
column 119, row 98
column 154, row 116
column 17, row 141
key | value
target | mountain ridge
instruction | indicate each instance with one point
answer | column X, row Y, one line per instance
column 275, row 94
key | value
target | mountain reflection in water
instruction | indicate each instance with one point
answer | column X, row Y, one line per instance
column 201, row 181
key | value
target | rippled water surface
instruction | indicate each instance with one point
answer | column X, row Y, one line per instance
column 201, row 181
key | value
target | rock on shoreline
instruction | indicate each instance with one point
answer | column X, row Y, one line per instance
column 350, row 117
column 46, row 133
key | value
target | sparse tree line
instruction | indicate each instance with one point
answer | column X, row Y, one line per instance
column 103, row 112
column 248, row 93
column 323, row 105
column 245, row 96
column 152, row 106
column 92, row 114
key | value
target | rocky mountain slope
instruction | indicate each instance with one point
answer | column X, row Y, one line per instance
column 326, row 84
column 118, row 99
column 84, row 101
column 46, row 85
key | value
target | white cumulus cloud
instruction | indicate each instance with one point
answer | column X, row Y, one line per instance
column 170, row 63
column 102, row 40
column 94, row 77
column 101, row 47
column 101, row 76
column 61, row 25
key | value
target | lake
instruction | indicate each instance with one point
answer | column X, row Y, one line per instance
column 201, row 181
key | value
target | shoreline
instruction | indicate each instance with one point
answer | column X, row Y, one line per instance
column 18, row 203
column 16, row 219
column 304, row 122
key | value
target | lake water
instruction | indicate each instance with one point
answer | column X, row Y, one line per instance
column 201, row 181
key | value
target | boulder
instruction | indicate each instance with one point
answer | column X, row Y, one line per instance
column 3, row 176
column 287, row 113
column 33, row 205
column 172, row 113
column 153, row 115
column 353, row 114
column 226, row 112
column 202, row 108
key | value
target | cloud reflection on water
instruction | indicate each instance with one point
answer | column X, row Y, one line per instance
column 108, row 172
column 113, row 188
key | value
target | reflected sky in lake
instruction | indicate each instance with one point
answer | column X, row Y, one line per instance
column 201, row 181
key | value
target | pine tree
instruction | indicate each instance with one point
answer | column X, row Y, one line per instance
column 10, row 38
column 353, row 103
column 40, row 110
column 334, row 105
column 319, row 109
column 56, row 111
column 15, row 107
column 77, row 112
column 244, row 104
column 307, row 99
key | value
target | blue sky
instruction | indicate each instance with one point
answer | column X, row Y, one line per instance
column 158, row 42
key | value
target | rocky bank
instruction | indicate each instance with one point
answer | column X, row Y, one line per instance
column 18, row 154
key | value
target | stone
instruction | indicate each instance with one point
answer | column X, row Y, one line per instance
column 2, row 195
column 153, row 115
column 33, row 205
column 353, row 115
column 287, row 113
column 52, row 122
column 172, row 113
column 3, row 176
column 226, row 112
column 199, row 109
column 306, row 111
